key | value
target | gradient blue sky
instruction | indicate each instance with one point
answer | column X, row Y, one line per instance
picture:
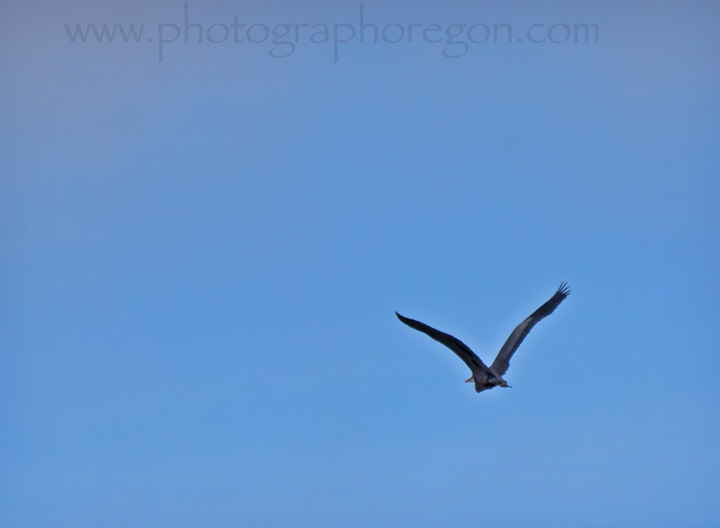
column 201, row 258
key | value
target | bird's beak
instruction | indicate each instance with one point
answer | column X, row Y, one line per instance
column 469, row 379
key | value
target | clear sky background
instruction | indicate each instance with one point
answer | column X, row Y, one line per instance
column 201, row 258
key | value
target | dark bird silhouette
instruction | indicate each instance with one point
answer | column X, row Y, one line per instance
column 490, row 377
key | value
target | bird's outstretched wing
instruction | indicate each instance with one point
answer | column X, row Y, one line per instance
column 461, row 349
column 502, row 361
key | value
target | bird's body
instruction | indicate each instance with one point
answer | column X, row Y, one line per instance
column 490, row 377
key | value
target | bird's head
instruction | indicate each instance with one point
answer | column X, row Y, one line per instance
column 503, row 383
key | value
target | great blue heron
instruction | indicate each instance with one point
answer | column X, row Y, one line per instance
column 484, row 377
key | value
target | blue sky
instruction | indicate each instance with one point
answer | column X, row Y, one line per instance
column 202, row 256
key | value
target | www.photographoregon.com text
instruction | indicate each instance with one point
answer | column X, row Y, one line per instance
column 283, row 39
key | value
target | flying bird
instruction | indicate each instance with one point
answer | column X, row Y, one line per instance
column 490, row 377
